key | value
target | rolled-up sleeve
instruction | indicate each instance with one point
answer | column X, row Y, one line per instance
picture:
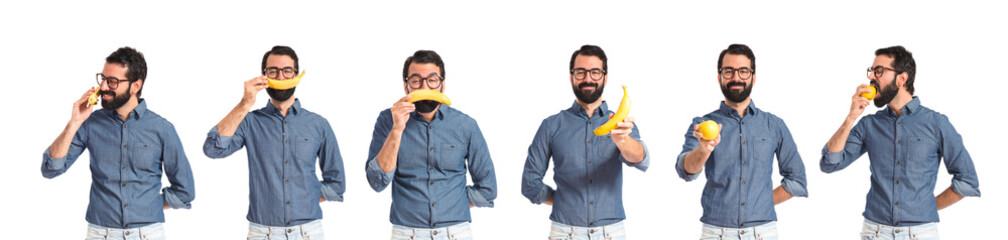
column 790, row 164
column 536, row 165
column 853, row 149
column 219, row 146
column 644, row 163
column 182, row 191
column 958, row 161
column 690, row 143
column 52, row 167
column 331, row 164
column 378, row 178
column 481, row 171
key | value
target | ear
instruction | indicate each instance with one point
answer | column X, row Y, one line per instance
column 901, row 79
column 405, row 88
column 137, row 85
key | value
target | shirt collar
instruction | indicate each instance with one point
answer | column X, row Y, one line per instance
column 294, row 109
column 137, row 111
column 728, row 110
column 580, row 111
column 909, row 108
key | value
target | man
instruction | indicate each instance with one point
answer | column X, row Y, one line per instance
column 129, row 146
column 424, row 150
column 905, row 143
column 283, row 141
column 588, row 199
column 737, row 200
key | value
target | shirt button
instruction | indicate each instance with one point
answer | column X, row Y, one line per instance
column 124, row 125
column 743, row 141
column 431, row 182
column 897, row 162
column 897, row 181
column 743, row 122
column 288, row 223
column 898, row 141
column 432, row 204
column 285, row 141
column 743, row 182
column 286, row 180
column 591, row 224
column 124, row 146
column 590, row 181
column 432, row 168
column 744, row 162
column 286, row 161
column 897, row 203
column 589, row 161
column 124, row 167
column 287, row 203
column 123, row 184
column 591, row 203
column 126, row 205
column 431, row 149
column 900, row 122
column 589, row 141
column 743, row 204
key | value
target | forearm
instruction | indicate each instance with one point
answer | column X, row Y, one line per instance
column 694, row 161
column 780, row 195
column 61, row 145
column 631, row 150
column 389, row 154
column 947, row 198
column 227, row 126
column 839, row 138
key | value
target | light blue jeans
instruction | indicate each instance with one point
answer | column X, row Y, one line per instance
column 560, row 231
column 149, row 232
column 766, row 231
column 307, row 231
column 875, row 231
column 459, row 231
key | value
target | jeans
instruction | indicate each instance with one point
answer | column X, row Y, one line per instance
column 875, row 231
column 560, row 231
column 307, row 231
column 149, row 232
column 459, row 231
column 766, row 231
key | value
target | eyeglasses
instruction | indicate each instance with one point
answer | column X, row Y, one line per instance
column 581, row 73
column 112, row 82
column 274, row 72
column 416, row 82
column 878, row 70
column 743, row 73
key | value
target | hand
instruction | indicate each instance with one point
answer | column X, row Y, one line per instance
column 859, row 103
column 622, row 131
column 81, row 108
column 321, row 199
column 549, row 202
column 165, row 207
column 401, row 110
column 252, row 87
column 707, row 146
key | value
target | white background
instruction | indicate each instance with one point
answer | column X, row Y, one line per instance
column 506, row 67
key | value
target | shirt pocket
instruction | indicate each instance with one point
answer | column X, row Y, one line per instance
column 763, row 148
column 452, row 156
column 921, row 149
column 145, row 155
column 305, row 148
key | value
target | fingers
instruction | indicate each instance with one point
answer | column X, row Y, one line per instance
column 405, row 98
column 628, row 119
column 610, row 115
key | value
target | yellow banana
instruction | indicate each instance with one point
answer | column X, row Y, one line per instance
column 93, row 99
column 427, row 94
column 285, row 84
column 621, row 113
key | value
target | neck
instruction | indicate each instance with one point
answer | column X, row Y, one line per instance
column 284, row 106
column 739, row 107
column 901, row 99
column 590, row 107
column 430, row 116
column 125, row 109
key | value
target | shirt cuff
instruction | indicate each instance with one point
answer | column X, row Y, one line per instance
column 477, row 199
column 173, row 201
column 544, row 194
column 794, row 188
column 330, row 195
column 832, row 158
column 53, row 163
column 965, row 189
column 681, row 170
column 644, row 163
column 383, row 178
column 220, row 141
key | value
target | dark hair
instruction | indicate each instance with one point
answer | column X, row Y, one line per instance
column 590, row 50
column 738, row 49
column 280, row 50
column 133, row 61
column 423, row 56
column 903, row 62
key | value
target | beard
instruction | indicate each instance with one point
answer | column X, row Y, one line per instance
column 117, row 99
column 588, row 96
column 736, row 95
column 885, row 95
column 280, row 95
column 426, row 106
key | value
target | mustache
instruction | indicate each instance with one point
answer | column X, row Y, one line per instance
column 107, row 92
column 732, row 84
column 587, row 84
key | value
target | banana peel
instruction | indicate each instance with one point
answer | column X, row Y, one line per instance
column 284, row 84
column 427, row 94
column 93, row 99
column 621, row 113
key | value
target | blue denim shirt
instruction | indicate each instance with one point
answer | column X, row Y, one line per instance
column 905, row 152
column 739, row 189
column 126, row 166
column 283, row 187
column 588, row 170
column 429, row 182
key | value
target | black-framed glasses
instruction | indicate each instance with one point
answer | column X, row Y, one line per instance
column 729, row 72
column 878, row 71
column 415, row 81
column 274, row 72
column 113, row 82
column 581, row 73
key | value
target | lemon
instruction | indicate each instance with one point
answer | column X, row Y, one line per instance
column 709, row 130
column 870, row 94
